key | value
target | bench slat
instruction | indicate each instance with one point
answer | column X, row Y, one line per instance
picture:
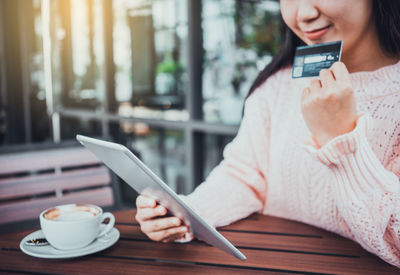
column 45, row 159
column 18, row 211
column 39, row 184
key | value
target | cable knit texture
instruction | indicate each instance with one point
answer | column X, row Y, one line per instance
column 350, row 186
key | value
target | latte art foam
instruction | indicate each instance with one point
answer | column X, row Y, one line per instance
column 71, row 213
column 74, row 216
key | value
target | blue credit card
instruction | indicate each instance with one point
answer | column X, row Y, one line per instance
column 310, row 60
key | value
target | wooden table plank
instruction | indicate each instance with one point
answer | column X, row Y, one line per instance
column 276, row 260
column 267, row 230
column 255, row 223
column 306, row 239
column 311, row 251
column 282, row 242
column 273, row 242
column 132, row 232
column 11, row 261
column 9, row 244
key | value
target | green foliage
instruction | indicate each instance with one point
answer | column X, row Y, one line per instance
column 169, row 66
column 265, row 35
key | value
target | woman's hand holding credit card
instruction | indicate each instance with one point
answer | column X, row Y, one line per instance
column 328, row 104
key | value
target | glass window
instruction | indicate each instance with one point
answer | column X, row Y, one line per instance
column 78, row 53
column 3, row 126
column 150, row 54
column 214, row 146
column 150, row 40
column 70, row 127
column 40, row 123
column 162, row 150
column 23, row 110
column 240, row 38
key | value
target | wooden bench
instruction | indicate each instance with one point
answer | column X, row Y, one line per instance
column 33, row 181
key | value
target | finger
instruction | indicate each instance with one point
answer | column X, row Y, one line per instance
column 315, row 85
column 174, row 237
column 326, row 77
column 340, row 72
column 144, row 202
column 305, row 94
column 160, row 224
column 144, row 214
column 164, row 234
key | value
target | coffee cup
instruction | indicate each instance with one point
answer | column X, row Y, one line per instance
column 73, row 226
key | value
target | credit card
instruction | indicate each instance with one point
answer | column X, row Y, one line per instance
column 309, row 60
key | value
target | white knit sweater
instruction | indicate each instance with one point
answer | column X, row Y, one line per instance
column 350, row 186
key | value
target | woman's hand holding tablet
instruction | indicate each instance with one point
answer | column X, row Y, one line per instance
column 150, row 216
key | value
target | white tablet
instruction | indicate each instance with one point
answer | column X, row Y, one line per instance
column 135, row 173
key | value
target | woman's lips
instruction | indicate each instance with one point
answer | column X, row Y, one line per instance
column 317, row 34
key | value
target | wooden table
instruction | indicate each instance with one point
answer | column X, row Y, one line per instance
column 272, row 246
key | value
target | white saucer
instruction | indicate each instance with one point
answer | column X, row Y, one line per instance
column 50, row 252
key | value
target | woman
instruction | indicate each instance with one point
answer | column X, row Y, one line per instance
column 323, row 151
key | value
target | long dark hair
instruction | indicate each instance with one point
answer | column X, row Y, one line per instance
column 386, row 14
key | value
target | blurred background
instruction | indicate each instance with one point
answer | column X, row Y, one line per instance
column 166, row 78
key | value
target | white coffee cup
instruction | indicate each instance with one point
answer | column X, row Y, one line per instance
column 73, row 226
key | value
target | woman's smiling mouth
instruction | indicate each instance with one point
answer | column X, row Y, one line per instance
column 317, row 33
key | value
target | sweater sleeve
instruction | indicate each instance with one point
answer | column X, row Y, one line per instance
column 367, row 194
column 236, row 188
